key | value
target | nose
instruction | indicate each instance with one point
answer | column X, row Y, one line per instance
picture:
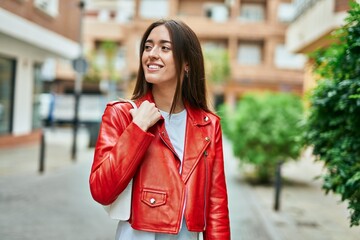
column 154, row 53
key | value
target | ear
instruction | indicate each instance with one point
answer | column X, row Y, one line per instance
column 186, row 67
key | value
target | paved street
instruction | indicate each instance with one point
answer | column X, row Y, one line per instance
column 247, row 219
column 57, row 204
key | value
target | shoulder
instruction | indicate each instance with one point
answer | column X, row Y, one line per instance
column 213, row 116
column 112, row 103
column 120, row 105
column 117, row 112
column 202, row 117
column 117, row 108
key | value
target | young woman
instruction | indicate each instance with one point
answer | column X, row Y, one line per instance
column 171, row 146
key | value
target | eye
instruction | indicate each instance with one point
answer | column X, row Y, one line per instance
column 147, row 47
column 165, row 48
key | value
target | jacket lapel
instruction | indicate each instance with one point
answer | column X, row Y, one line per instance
column 196, row 140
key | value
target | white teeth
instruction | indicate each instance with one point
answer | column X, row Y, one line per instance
column 154, row 67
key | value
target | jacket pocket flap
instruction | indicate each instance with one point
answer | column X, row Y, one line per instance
column 153, row 198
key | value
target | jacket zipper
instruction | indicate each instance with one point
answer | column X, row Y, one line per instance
column 206, row 183
column 183, row 204
column 183, row 210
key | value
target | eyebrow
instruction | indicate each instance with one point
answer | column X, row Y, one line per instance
column 161, row 41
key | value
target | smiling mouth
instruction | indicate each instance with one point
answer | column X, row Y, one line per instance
column 154, row 67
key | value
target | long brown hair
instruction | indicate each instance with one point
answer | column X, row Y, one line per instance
column 186, row 49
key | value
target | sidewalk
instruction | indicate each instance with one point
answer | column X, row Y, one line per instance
column 247, row 219
column 306, row 212
column 57, row 204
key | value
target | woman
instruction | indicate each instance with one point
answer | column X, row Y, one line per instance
column 171, row 145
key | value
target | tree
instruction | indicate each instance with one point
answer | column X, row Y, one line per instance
column 217, row 64
column 265, row 130
column 333, row 124
column 103, row 63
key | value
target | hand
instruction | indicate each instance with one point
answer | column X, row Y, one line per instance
column 146, row 115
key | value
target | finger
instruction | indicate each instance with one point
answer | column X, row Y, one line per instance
column 132, row 112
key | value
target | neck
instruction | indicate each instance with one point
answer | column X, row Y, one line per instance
column 164, row 98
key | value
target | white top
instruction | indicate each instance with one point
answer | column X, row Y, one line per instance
column 175, row 126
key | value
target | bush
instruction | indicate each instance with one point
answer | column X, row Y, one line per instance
column 265, row 130
column 333, row 125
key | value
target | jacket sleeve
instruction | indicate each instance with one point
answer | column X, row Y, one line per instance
column 120, row 147
column 218, row 224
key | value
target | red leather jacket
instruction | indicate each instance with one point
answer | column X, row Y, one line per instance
column 123, row 151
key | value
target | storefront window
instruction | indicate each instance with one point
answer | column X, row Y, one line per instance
column 37, row 90
column 7, row 79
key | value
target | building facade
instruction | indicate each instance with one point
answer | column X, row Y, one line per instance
column 31, row 31
column 251, row 31
column 314, row 20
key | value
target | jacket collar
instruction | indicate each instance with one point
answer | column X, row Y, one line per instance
column 196, row 140
column 196, row 116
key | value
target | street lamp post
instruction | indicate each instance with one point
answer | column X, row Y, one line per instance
column 80, row 66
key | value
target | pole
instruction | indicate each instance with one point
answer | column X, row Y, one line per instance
column 78, row 85
column 42, row 152
column 278, row 185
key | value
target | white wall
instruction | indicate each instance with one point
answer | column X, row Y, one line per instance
column 28, row 44
column 313, row 24
column 26, row 56
column 35, row 35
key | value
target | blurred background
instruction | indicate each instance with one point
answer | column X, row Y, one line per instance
column 62, row 61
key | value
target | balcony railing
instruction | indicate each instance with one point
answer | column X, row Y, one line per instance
column 301, row 6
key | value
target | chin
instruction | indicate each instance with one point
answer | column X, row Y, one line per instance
column 151, row 80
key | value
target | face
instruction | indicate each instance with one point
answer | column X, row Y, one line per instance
column 158, row 60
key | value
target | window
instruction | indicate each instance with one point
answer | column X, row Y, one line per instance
column 249, row 53
column 154, row 8
column 286, row 12
column 217, row 12
column 50, row 7
column 37, row 90
column 104, row 15
column 7, row 80
column 285, row 59
column 252, row 12
column 209, row 45
column 125, row 11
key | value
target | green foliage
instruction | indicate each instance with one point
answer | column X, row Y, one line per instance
column 94, row 73
column 107, row 71
column 333, row 124
column 265, row 130
column 217, row 64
